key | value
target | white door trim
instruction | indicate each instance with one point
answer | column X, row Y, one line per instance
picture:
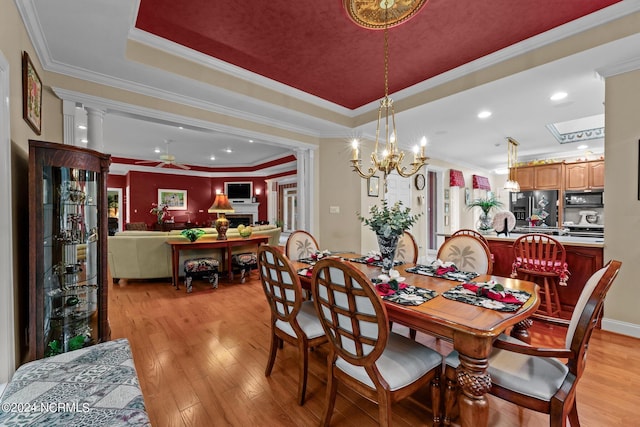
column 7, row 312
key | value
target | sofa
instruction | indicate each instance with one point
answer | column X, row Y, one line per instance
column 145, row 254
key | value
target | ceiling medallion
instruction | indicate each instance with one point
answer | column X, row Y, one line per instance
column 371, row 13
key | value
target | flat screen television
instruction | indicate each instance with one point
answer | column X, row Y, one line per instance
column 239, row 191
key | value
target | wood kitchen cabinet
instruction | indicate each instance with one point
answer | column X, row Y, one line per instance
column 584, row 175
column 540, row 177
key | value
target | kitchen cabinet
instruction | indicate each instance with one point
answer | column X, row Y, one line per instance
column 540, row 177
column 67, row 249
column 584, row 175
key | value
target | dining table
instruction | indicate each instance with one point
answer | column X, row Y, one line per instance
column 471, row 329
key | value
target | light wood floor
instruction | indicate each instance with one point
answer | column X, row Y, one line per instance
column 201, row 357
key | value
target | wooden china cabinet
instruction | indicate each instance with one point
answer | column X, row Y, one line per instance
column 67, row 248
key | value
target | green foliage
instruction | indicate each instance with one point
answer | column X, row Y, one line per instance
column 53, row 348
column 192, row 234
column 76, row 342
column 389, row 221
column 486, row 204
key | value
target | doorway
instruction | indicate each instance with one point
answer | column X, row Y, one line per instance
column 290, row 209
column 114, row 213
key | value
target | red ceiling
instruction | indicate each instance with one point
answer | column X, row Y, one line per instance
column 313, row 46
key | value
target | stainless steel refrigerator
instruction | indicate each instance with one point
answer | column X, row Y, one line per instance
column 542, row 203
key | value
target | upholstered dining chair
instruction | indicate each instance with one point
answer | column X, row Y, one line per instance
column 300, row 244
column 293, row 319
column 364, row 355
column 407, row 250
column 470, row 232
column 539, row 256
column 533, row 377
column 468, row 253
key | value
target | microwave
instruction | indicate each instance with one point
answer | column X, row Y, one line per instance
column 586, row 199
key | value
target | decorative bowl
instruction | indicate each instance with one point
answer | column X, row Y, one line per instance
column 192, row 234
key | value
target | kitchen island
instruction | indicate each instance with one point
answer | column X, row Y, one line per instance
column 584, row 257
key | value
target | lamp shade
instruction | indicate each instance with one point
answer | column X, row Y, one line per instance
column 221, row 204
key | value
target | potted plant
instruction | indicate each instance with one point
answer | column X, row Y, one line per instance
column 486, row 204
column 389, row 223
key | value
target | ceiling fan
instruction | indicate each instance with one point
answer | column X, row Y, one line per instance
column 165, row 159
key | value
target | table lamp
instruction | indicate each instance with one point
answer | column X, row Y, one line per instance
column 221, row 206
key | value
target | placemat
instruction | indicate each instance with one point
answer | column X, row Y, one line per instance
column 370, row 261
column 461, row 294
column 410, row 295
column 456, row 275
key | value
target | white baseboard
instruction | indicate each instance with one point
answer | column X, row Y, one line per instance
column 624, row 328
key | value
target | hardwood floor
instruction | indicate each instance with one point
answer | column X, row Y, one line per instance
column 201, row 358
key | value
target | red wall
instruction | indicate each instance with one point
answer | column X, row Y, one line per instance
column 144, row 187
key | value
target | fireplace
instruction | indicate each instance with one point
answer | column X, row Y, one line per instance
column 236, row 219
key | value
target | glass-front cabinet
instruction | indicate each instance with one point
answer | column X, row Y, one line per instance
column 68, row 246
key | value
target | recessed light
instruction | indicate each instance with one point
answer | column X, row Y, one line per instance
column 229, row 150
column 212, row 158
column 157, row 150
column 558, row 96
column 251, row 141
column 582, row 147
column 82, row 127
column 484, row 114
column 84, row 140
column 180, row 127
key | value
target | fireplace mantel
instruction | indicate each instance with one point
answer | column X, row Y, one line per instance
column 246, row 209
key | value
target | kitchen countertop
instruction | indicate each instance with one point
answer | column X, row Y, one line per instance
column 590, row 242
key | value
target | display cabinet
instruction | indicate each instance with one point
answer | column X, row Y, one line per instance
column 67, row 248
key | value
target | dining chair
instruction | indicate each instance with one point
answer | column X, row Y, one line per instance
column 470, row 232
column 407, row 249
column 364, row 355
column 535, row 378
column 300, row 244
column 539, row 256
column 468, row 253
column 293, row 319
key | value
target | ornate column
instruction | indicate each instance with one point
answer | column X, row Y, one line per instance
column 69, row 118
column 306, row 194
column 95, row 131
column 272, row 200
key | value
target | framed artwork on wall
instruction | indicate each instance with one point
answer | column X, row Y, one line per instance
column 31, row 94
column 446, row 194
column 446, row 207
column 467, row 196
column 176, row 200
column 373, row 186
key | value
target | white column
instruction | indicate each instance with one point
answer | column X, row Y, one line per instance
column 95, row 131
column 272, row 200
column 302, row 157
column 69, row 117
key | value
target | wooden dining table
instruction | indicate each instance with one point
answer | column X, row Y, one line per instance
column 470, row 328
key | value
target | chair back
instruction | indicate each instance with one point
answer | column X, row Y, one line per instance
column 281, row 285
column 300, row 244
column 541, row 255
column 470, row 232
column 407, row 250
column 350, row 310
column 138, row 226
column 586, row 313
column 468, row 253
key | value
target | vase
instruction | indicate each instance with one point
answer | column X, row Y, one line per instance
column 485, row 223
column 388, row 246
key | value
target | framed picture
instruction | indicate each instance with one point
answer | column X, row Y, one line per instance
column 446, row 221
column 176, row 200
column 467, row 196
column 446, row 207
column 446, row 194
column 31, row 94
column 373, row 186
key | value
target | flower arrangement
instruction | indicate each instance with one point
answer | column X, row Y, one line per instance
column 161, row 212
column 389, row 221
column 387, row 284
column 485, row 204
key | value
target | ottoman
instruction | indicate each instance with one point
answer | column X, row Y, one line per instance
column 245, row 263
column 201, row 267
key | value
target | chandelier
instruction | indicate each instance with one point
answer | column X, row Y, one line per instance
column 386, row 156
column 512, row 163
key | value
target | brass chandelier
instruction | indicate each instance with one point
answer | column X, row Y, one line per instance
column 512, row 163
column 386, row 156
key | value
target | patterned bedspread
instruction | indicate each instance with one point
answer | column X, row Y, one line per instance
column 93, row 386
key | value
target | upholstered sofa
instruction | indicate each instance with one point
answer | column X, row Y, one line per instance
column 145, row 254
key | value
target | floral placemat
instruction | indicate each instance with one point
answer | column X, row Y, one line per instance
column 488, row 295
column 315, row 257
column 406, row 295
column 374, row 260
column 306, row 272
column 443, row 270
